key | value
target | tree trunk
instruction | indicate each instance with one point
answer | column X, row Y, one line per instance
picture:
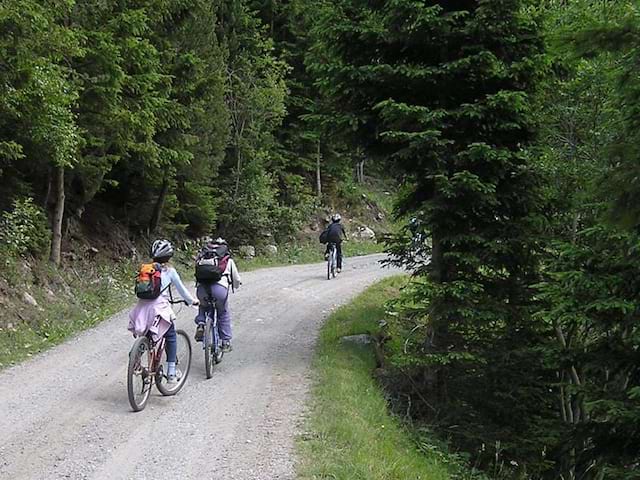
column 47, row 197
column 58, row 215
column 157, row 209
column 236, row 190
column 360, row 171
column 440, row 327
column 437, row 264
column 318, row 176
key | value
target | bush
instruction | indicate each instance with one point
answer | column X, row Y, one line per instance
column 24, row 229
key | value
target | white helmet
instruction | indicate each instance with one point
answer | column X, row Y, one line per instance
column 161, row 249
column 336, row 217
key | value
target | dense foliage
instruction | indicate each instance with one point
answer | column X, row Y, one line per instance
column 166, row 115
column 512, row 126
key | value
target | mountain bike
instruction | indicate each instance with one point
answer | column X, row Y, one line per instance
column 147, row 368
column 211, row 342
column 332, row 261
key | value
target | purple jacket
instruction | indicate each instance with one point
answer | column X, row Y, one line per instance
column 153, row 316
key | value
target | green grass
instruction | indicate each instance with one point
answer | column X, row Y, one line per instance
column 28, row 330
column 351, row 434
column 306, row 253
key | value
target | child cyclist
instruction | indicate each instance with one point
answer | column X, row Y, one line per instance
column 218, row 292
column 148, row 313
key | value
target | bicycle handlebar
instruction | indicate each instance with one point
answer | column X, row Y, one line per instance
column 173, row 302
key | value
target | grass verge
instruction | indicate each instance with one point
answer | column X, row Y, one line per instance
column 71, row 299
column 297, row 254
column 352, row 434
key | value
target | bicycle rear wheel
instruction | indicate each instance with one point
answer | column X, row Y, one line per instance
column 209, row 354
column 183, row 365
column 334, row 263
column 139, row 379
column 218, row 352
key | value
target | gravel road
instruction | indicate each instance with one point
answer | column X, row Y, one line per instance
column 65, row 413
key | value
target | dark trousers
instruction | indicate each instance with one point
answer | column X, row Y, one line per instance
column 338, row 252
column 171, row 343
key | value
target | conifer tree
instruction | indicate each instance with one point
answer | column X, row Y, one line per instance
column 443, row 89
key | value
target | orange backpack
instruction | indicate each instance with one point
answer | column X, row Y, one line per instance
column 149, row 281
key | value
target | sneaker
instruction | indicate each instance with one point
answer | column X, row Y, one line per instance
column 226, row 346
column 326, row 256
column 339, row 270
column 199, row 332
column 173, row 380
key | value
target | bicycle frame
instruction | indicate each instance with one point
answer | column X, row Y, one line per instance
column 156, row 350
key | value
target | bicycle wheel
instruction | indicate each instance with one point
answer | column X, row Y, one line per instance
column 139, row 379
column 334, row 263
column 218, row 353
column 183, row 365
column 209, row 354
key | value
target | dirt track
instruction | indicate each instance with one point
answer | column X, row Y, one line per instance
column 65, row 413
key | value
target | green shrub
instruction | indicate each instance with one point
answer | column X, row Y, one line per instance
column 24, row 229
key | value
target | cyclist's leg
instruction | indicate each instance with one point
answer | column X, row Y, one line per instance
column 171, row 347
column 202, row 295
column 221, row 295
column 339, row 254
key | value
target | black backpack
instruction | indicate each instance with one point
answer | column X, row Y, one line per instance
column 211, row 263
column 324, row 236
column 334, row 233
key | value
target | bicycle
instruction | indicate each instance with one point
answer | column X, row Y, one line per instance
column 332, row 261
column 211, row 342
column 146, row 368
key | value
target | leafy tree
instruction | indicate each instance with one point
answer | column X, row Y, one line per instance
column 38, row 131
column 588, row 296
column 255, row 101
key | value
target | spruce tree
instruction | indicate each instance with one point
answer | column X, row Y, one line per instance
column 443, row 89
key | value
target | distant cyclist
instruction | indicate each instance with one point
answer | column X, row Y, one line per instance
column 217, row 290
column 336, row 234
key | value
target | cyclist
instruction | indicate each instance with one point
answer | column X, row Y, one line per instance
column 335, row 235
column 219, row 292
column 146, row 312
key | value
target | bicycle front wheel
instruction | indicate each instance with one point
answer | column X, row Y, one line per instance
column 139, row 377
column 183, row 365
